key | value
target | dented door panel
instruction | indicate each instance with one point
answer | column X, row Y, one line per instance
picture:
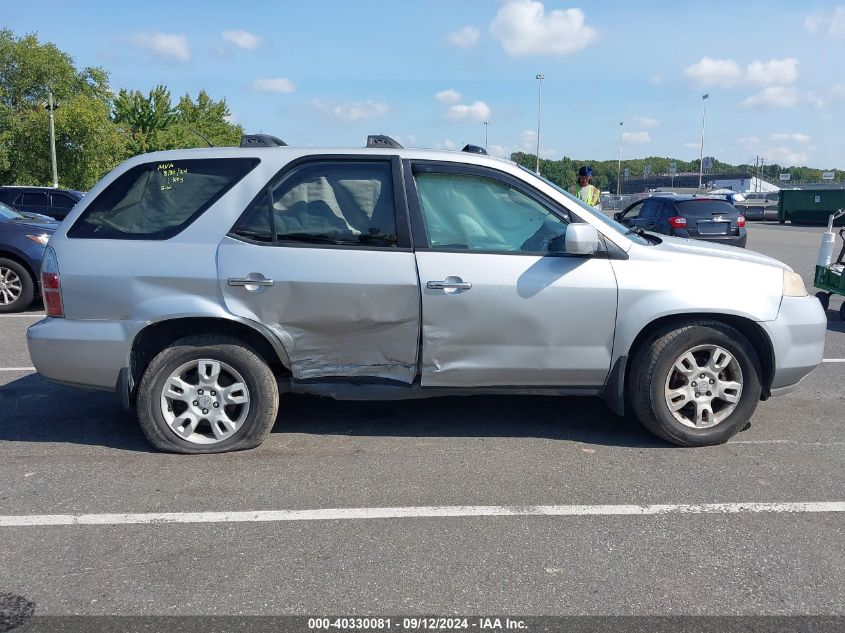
column 338, row 312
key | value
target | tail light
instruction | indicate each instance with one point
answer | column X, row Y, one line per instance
column 740, row 221
column 678, row 222
column 51, row 287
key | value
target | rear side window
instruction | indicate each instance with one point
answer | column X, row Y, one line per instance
column 344, row 203
column 155, row 201
column 706, row 208
column 35, row 200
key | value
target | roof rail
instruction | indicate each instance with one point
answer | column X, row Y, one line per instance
column 474, row 149
column 380, row 140
column 261, row 140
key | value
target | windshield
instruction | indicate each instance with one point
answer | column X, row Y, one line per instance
column 8, row 213
column 619, row 228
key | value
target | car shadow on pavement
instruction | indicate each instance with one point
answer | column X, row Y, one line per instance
column 35, row 410
column 573, row 419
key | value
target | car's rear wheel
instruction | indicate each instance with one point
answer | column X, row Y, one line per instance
column 697, row 384
column 17, row 288
column 207, row 394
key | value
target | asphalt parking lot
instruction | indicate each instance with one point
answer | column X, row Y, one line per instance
column 70, row 452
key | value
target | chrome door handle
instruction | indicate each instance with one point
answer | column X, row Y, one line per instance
column 246, row 281
column 443, row 285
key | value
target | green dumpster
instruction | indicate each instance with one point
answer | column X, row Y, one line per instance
column 811, row 206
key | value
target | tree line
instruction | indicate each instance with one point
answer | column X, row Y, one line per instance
column 96, row 128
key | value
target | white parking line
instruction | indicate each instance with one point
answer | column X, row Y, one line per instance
column 22, row 316
column 17, row 368
column 833, row 360
column 411, row 512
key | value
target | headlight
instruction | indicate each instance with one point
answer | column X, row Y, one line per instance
column 793, row 285
column 41, row 239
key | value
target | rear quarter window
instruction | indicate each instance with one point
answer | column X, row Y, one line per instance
column 156, row 201
column 706, row 208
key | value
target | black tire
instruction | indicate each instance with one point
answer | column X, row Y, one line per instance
column 259, row 379
column 824, row 299
column 27, row 285
column 653, row 362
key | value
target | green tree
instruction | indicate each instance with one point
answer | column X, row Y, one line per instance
column 143, row 120
column 86, row 143
column 201, row 122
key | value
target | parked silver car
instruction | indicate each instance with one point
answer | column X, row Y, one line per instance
column 199, row 284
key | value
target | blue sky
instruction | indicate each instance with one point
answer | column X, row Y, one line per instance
column 428, row 72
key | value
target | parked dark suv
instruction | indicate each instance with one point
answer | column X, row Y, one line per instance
column 695, row 217
column 55, row 203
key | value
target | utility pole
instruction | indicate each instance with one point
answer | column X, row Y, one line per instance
column 486, row 123
column 619, row 166
column 701, row 155
column 51, row 106
column 540, row 77
column 756, row 179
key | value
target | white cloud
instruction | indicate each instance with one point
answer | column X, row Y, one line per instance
column 785, row 156
column 635, row 138
column 524, row 28
column 276, row 84
column 478, row 111
column 498, row 150
column 773, row 97
column 655, row 80
column 448, row 96
column 445, row 144
column 466, row 37
column 773, row 72
column 826, row 23
column 816, row 100
column 714, row 72
column 164, row 45
column 794, row 136
column 354, row 110
column 838, row 91
column 644, row 122
column 748, row 141
column 242, row 39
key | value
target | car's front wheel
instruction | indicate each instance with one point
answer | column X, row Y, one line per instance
column 207, row 394
column 696, row 384
column 17, row 287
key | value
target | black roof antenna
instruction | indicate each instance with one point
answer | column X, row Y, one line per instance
column 380, row 140
column 261, row 140
column 474, row 149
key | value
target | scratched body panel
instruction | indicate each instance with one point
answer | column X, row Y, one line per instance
column 338, row 312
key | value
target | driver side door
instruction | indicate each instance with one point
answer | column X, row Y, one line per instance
column 503, row 304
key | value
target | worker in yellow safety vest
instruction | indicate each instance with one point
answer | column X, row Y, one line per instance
column 586, row 192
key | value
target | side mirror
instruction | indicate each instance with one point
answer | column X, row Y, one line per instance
column 617, row 216
column 581, row 239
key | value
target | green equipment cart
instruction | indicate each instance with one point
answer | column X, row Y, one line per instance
column 829, row 277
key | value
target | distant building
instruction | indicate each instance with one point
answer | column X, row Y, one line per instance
column 685, row 180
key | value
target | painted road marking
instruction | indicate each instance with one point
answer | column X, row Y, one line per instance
column 345, row 514
column 17, row 368
column 22, row 316
column 833, row 360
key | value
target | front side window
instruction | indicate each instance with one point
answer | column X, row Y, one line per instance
column 346, row 203
column 155, row 201
column 62, row 201
column 475, row 213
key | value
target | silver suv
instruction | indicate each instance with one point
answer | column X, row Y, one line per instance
column 199, row 284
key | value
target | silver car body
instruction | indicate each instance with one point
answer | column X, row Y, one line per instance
column 528, row 324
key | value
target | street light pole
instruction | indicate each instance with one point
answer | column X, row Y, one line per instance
column 540, row 77
column 619, row 166
column 701, row 154
column 51, row 106
column 486, row 123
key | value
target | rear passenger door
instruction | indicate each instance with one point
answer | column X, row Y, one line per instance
column 34, row 202
column 323, row 257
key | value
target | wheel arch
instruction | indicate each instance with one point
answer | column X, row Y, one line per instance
column 7, row 254
column 156, row 336
column 752, row 331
